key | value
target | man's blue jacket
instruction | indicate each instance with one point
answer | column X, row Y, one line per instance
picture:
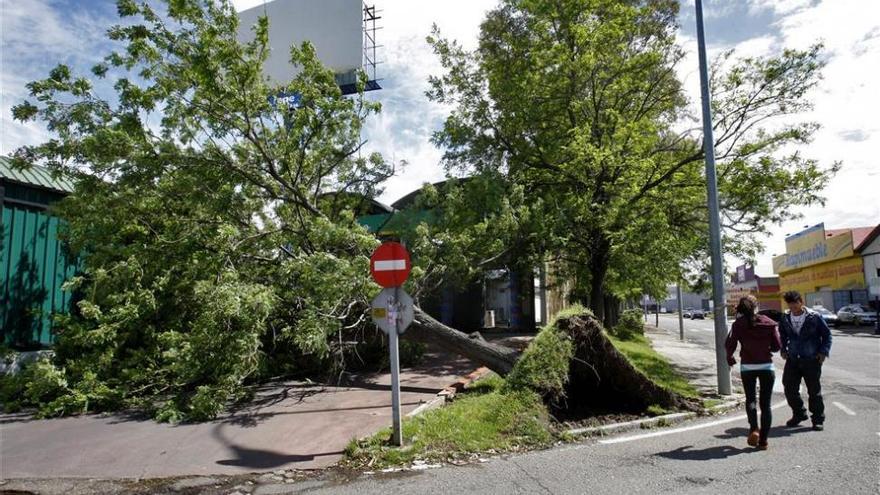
column 813, row 339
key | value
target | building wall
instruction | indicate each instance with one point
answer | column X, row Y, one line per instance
column 843, row 274
column 33, row 266
column 688, row 300
column 822, row 266
column 871, row 263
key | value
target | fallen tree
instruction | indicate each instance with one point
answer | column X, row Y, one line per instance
column 598, row 375
column 426, row 329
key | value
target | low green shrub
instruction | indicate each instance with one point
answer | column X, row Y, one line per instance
column 630, row 325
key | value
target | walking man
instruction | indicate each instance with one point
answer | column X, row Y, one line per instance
column 806, row 343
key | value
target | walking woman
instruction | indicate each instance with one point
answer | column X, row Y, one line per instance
column 758, row 338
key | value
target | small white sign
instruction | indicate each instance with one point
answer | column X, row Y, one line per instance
column 392, row 308
column 385, row 265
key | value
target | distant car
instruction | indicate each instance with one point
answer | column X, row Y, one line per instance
column 830, row 318
column 698, row 314
column 688, row 313
column 773, row 314
column 857, row 315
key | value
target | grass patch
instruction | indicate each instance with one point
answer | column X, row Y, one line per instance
column 543, row 366
column 640, row 353
column 486, row 417
column 656, row 410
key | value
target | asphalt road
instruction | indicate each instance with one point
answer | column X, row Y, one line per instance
column 707, row 456
column 855, row 353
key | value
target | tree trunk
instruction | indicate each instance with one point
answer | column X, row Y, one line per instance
column 597, row 292
column 426, row 329
column 612, row 311
column 598, row 270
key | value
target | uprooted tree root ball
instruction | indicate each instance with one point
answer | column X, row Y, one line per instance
column 601, row 376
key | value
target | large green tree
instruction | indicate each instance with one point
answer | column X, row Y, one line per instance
column 208, row 216
column 579, row 103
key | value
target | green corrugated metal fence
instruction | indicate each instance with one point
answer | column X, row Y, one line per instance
column 33, row 266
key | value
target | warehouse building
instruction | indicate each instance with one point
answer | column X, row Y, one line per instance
column 825, row 266
column 869, row 250
column 747, row 281
column 33, row 262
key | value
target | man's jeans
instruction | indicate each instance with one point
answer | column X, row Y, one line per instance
column 810, row 371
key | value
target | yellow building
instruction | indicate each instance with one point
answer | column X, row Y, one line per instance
column 823, row 266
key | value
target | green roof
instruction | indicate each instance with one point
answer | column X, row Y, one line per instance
column 393, row 223
column 35, row 175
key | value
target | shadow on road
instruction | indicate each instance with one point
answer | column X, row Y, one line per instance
column 252, row 419
column 688, row 453
column 777, row 432
column 266, row 459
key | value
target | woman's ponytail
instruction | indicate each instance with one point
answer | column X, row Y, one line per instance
column 748, row 308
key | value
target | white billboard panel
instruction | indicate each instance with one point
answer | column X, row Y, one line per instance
column 335, row 28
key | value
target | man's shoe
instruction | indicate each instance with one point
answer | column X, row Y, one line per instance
column 753, row 438
column 763, row 446
column 818, row 427
column 796, row 420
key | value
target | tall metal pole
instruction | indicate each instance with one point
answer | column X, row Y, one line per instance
column 396, row 427
column 657, row 315
column 714, row 219
column 680, row 312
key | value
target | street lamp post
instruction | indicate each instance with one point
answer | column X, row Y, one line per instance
column 680, row 311
column 714, row 218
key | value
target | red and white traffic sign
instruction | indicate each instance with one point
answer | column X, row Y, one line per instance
column 390, row 264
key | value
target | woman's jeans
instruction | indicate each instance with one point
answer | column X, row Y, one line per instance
column 750, row 380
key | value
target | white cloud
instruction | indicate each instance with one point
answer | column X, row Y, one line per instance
column 408, row 119
column 846, row 105
column 34, row 37
column 403, row 130
column 780, row 7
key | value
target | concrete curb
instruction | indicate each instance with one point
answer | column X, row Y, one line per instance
column 448, row 393
column 664, row 420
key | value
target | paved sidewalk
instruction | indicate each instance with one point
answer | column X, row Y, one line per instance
column 289, row 425
column 693, row 361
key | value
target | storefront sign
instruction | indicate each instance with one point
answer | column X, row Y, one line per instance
column 842, row 274
column 811, row 247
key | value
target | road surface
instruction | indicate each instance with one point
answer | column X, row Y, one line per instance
column 707, row 456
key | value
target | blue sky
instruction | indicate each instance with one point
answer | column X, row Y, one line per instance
column 37, row 34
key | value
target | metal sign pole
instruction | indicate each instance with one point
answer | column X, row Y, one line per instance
column 397, row 431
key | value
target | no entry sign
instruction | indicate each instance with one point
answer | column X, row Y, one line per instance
column 390, row 265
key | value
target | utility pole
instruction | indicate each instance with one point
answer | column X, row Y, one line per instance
column 680, row 312
column 714, row 218
column 657, row 315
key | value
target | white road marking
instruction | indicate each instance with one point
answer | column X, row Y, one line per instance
column 661, row 433
column 386, row 265
column 844, row 408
